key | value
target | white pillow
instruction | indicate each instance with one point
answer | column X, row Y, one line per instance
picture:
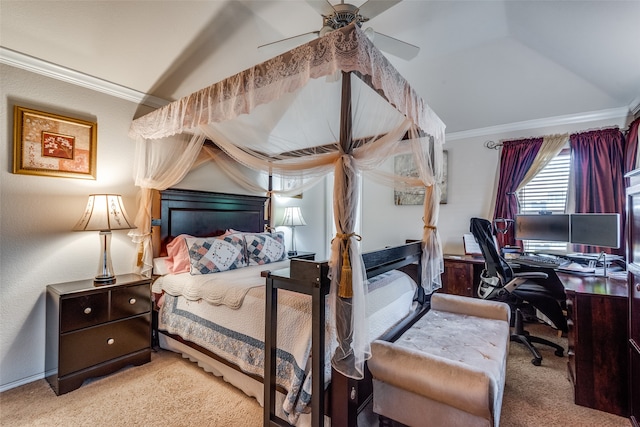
column 161, row 266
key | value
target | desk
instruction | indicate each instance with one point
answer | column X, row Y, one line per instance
column 461, row 275
column 597, row 314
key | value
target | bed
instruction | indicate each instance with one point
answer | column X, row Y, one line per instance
column 336, row 106
column 228, row 339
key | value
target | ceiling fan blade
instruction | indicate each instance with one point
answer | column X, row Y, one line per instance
column 395, row 47
column 323, row 7
column 372, row 8
column 289, row 43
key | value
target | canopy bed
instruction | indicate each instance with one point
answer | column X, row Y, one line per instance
column 334, row 105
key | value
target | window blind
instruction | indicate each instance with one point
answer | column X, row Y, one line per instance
column 547, row 192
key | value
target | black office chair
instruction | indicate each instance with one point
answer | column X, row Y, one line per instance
column 539, row 288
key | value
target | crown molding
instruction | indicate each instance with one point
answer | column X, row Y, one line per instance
column 35, row 65
column 38, row 66
column 612, row 113
column 634, row 106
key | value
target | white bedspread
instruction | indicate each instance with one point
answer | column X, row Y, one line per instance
column 224, row 288
column 237, row 334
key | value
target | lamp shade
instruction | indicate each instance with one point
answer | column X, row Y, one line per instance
column 293, row 217
column 104, row 212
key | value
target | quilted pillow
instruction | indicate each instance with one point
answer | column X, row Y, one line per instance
column 213, row 254
column 263, row 248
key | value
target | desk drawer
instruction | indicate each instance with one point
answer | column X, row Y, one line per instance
column 91, row 346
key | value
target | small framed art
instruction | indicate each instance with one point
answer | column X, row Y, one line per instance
column 404, row 165
column 53, row 145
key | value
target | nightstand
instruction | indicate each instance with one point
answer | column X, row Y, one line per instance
column 304, row 255
column 96, row 330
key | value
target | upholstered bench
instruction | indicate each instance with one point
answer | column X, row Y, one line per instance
column 448, row 368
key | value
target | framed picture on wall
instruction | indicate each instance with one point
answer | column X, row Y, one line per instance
column 53, row 145
column 404, row 165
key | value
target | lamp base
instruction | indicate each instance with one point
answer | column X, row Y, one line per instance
column 105, row 274
column 101, row 281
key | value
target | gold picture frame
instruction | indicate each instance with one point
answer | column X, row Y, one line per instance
column 52, row 145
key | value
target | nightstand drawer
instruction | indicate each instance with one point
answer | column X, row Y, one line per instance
column 82, row 311
column 91, row 346
column 130, row 300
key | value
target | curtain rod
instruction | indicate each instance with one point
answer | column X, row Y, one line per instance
column 492, row 145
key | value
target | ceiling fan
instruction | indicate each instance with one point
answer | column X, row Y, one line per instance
column 336, row 16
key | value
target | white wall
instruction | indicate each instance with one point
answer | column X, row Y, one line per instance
column 473, row 170
column 37, row 246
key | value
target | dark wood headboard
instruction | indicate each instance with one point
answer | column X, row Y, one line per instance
column 205, row 214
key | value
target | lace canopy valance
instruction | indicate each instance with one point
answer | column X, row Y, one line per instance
column 334, row 105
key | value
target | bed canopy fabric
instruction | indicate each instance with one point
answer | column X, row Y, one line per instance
column 332, row 105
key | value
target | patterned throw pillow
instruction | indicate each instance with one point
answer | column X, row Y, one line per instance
column 213, row 254
column 263, row 248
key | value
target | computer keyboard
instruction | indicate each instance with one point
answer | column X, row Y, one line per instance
column 537, row 261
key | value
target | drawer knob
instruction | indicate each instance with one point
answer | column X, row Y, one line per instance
column 110, row 341
column 87, row 310
column 132, row 301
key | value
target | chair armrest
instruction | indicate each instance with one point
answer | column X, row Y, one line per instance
column 446, row 381
column 531, row 275
column 520, row 278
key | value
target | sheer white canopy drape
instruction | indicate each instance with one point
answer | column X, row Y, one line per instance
column 332, row 105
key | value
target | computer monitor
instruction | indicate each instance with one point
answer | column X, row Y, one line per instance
column 596, row 229
column 551, row 227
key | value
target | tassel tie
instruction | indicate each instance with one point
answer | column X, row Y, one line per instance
column 345, row 290
column 428, row 227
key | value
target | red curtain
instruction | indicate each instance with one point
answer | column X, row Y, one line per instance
column 631, row 147
column 516, row 159
column 599, row 166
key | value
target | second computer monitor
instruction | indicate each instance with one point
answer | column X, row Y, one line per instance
column 586, row 229
column 596, row 229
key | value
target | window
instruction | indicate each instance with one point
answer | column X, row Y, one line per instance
column 547, row 192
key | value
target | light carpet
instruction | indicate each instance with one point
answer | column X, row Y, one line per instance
column 171, row 391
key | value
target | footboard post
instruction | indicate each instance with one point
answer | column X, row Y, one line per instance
column 318, row 351
column 271, row 323
column 344, row 400
column 306, row 277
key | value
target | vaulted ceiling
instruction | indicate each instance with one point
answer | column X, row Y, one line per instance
column 481, row 64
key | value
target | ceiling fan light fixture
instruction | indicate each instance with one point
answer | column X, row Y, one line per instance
column 336, row 16
column 325, row 30
column 370, row 33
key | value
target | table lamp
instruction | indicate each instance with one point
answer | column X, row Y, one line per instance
column 293, row 218
column 104, row 212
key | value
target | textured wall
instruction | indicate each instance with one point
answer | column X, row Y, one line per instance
column 37, row 246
